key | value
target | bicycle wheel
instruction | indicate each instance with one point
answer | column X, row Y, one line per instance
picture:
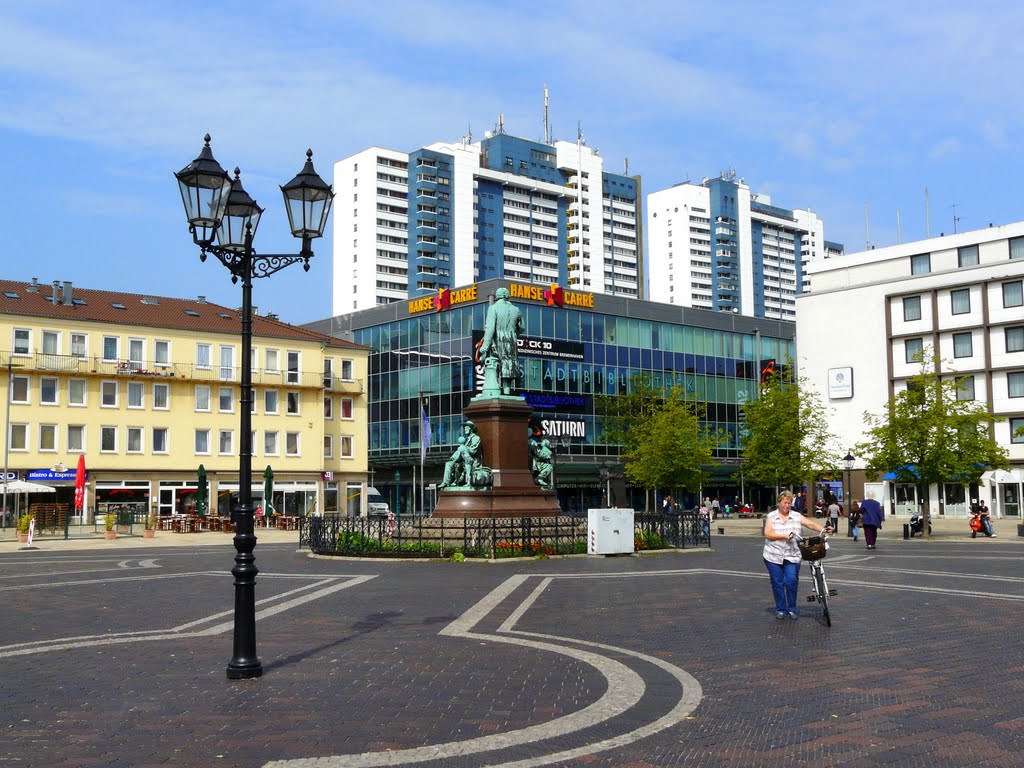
column 822, row 589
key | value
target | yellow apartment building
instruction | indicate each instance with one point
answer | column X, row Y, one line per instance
column 148, row 389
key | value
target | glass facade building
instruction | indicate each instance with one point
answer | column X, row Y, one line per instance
column 576, row 346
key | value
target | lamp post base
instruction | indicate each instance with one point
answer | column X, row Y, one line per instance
column 245, row 671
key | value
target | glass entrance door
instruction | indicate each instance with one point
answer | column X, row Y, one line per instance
column 1011, row 499
column 906, row 499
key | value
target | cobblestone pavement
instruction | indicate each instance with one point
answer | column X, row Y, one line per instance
column 117, row 657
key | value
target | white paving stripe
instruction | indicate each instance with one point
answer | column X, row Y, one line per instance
column 75, row 643
column 625, row 688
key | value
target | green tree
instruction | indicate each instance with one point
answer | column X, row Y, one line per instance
column 672, row 447
column 928, row 436
column 788, row 440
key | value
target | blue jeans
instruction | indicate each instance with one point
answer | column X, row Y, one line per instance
column 784, row 584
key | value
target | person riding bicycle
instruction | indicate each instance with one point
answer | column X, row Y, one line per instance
column 782, row 555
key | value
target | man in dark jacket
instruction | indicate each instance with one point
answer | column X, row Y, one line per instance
column 871, row 516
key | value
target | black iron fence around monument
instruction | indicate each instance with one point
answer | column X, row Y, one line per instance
column 491, row 538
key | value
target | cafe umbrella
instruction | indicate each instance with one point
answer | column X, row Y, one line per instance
column 268, row 491
column 201, row 492
column 79, row 493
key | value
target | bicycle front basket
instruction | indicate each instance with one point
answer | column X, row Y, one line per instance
column 812, row 548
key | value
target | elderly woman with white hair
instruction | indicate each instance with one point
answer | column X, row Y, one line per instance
column 782, row 555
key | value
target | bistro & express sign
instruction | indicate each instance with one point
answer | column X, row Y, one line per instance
column 553, row 295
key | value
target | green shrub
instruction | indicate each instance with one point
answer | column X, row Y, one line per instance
column 23, row 523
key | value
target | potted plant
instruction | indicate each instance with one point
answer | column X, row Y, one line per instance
column 23, row 523
column 111, row 521
column 150, row 530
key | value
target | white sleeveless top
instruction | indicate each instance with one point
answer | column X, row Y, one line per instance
column 779, row 551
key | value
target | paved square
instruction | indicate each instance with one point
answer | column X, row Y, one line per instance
column 118, row 659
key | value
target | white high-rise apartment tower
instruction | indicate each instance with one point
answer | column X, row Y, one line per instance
column 715, row 245
column 446, row 215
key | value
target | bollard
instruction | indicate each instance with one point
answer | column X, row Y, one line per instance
column 906, row 531
column 721, row 530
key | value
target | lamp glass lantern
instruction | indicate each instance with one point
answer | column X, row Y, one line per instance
column 307, row 200
column 205, row 188
column 241, row 216
column 848, row 461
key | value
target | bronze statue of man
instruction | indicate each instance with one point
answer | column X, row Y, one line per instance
column 500, row 345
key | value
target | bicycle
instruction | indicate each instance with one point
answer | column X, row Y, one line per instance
column 813, row 550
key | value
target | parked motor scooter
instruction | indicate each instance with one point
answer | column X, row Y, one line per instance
column 917, row 525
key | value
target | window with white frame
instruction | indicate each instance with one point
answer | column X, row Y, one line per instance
column 293, row 368
column 19, row 437
column 108, row 394
column 328, row 407
column 270, row 442
column 202, row 441
column 227, row 363
column 19, row 389
column 137, row 354
column 202, row 398
column 162, row 353
column 108, row 439
column 960, row 301
column 1015, row 384
column 328, row 373
column 226, row 442
column 291, row 443
column 111, row 345
column 1015, row 338
column 161, row 397
column 967, row 256
column 293, row 400
column 921, row 264
column 911, row 308
column 963, row 345
column 160, row 442
column 47, row 390
column 51, row 343
column 345, row 411
column 272, row 360
column 134, row 438
column 22, row 341
column 913, row 349
column 328, row 447
column 271, row 404
column 346, row 370
column 48, row 438
column 346, row 446
column 1013, row 295
column 1017, row 430
column 76, row 438
column 203, row 356
column 136, row 391
column 226, row 399
column 79, row 345
column 76, row 392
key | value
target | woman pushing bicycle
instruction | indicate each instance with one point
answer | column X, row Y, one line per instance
column 782, row 554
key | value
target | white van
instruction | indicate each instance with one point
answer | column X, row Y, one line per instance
column 375, row 504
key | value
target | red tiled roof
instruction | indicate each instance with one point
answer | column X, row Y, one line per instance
column 147, row 310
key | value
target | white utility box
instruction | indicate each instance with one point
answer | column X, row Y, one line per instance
column 610, row 531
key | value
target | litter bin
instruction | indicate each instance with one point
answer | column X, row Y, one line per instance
column 906, row 531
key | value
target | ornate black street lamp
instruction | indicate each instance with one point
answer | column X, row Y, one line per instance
column 222, row 218
column 848, row 461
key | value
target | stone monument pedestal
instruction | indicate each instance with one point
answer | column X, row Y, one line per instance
column 503, row 425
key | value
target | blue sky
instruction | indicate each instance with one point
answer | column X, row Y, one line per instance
column 825, row 106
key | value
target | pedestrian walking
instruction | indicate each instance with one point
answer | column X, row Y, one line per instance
column 782, row 555
column 833, row 514
column 871, row 516
column 855, row 520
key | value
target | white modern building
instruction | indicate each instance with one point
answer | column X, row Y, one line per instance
column 409, row 225
column 870, row 313
column 716, row 245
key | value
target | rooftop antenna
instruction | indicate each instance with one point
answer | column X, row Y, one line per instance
column 927, row 216
column 469, row 136
column 955, row 217
column 867, row 228
column 547, row 125
column 626, row 171
column 899, row 227
column 501, row 123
